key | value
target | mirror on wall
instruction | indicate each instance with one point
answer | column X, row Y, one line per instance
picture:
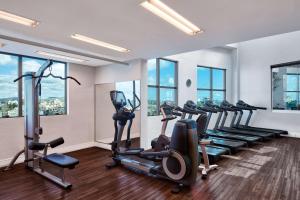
column 286, row 86
column 104, row 110
column 129, row 88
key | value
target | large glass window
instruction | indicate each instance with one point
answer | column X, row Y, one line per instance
column 162, row 83
column 286, row 86
column 53, row 91
column 211, row 84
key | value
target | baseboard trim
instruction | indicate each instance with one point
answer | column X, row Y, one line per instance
column 292, row 135
column 5, row 162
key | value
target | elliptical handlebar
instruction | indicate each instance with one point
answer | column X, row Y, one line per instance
column 135, row 97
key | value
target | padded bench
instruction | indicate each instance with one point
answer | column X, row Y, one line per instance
column 61, row 160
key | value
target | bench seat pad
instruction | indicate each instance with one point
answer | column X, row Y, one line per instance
column 61, row 160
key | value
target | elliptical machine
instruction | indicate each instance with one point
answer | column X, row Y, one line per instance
column 178, row 163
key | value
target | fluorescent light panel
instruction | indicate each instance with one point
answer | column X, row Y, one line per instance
column 99, row 43
column 60, row 56
column 168, row 14
column 18, row 19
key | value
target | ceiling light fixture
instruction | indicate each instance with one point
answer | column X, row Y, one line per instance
column 18, row 19
column 60, row 56
column 99, row 43
column 168, row 14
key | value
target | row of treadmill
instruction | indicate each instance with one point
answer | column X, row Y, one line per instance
column 225, row 140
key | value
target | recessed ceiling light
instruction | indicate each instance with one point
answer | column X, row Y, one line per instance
column 18, row 19
column 168, row 14
column 60, row 56
column 99, row 43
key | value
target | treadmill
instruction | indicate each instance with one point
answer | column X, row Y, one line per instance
column 226, row 106
column 203, row 119
column 169, row 112
column 244, row 106
column 210, row 108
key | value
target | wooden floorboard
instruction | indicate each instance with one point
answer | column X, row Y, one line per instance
column 275, row 175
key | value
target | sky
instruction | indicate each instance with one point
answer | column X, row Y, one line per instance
column 9, row 71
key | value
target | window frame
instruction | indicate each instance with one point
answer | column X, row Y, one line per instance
column 157, row 86
column 20, row 83
column 211, row 89
column 287, row 64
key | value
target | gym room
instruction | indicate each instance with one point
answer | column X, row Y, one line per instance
column 150, row 99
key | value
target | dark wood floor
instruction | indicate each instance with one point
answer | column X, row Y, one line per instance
column 267, row 173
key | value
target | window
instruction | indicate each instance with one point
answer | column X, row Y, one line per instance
column 211, row 85
column 53, row 92
column 286, row 86
column 129, row 88
column 162, row 83
column 9, row 104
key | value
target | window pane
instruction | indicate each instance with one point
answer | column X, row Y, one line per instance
column 152, row 103
column 203, row 78
column 202, row 96
column 9, row 89
column 167, row 73
column 218, row 97
column 291, row 82
column 218, row 79
column 52, row 100
column 167, row 95
column 152, row 72
column 290, row 100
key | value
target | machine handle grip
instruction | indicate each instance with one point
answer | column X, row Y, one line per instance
column 37, row 146
column 56, row 142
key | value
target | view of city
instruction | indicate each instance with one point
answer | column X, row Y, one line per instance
column 52, row 100
column 51, row 106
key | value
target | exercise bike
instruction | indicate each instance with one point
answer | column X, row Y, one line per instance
column 169, row 112
column 178, row 163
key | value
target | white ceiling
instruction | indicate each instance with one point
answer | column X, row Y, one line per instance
column 125, row 23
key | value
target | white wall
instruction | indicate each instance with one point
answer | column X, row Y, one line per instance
column 116, row 72
column 255, row 59
column 77, row 128
column 187, row 69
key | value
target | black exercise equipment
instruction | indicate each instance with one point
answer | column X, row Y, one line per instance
column 178, row 163
column 168, row 111
column 244, row 106
column 214, row 153
column 226, row 106
column 203, row 121
column 212, row 108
